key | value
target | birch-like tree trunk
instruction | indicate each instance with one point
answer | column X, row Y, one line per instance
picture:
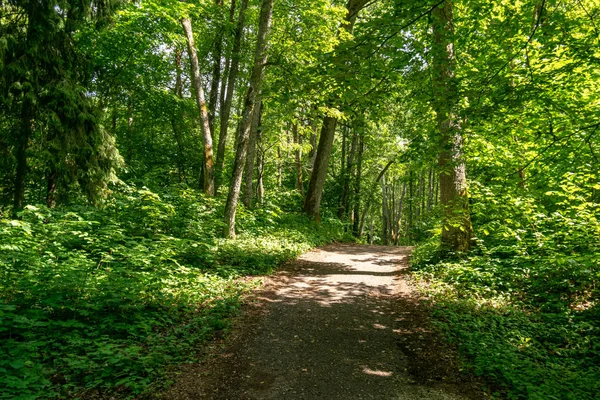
column 456, row 221
column 209, row 175
column 260, row 60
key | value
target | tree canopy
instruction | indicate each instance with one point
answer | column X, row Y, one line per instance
column 468, row 128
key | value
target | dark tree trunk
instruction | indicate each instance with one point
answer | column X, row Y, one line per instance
column 260, row 60
column 226, row 104
column 21, row 154
column 312, row 202
column 314, row 193
column 209, row 180
column 456, row 221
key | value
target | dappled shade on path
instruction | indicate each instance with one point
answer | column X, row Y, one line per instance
column 327, row 326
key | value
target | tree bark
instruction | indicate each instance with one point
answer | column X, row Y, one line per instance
column 213, row 96
column 21, row 154
column 456, row 221
column 260, row 188
column 357, row 183
column 251, row 157
column 314, row 193
column 312, row 202
column 226, row 104
column 260, row 60
column 384, row 213
column 298, row 155
column 209, row 179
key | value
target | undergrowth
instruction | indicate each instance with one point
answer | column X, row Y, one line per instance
column 523, row 307
column 106, row 300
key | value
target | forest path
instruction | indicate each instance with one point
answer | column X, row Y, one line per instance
column 340, row 322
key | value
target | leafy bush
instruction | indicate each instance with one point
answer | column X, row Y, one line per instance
column 106, row 299
column 524, row 307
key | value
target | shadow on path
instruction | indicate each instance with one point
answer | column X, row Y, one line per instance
column 340, row 322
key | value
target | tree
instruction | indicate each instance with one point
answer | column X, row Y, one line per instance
column 314, row 193
column 456, row 221
column 209, row 175
column 250, row 103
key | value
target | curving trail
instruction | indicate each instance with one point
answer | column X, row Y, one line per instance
column 341, row 322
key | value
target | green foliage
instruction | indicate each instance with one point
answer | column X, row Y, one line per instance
column 524, row 306
column 107, row 299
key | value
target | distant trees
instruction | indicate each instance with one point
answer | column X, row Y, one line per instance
column 356, row 111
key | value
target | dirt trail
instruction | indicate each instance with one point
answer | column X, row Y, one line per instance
column 341, row 322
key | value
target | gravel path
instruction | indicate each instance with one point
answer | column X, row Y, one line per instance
column 341, row 322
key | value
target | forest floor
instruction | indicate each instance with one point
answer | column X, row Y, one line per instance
column 340, row 322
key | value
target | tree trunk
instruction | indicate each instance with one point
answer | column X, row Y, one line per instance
column 370, row 199
column 312, row 202
column 260, row 60
column 314, row 193
column 226, row 105
column 298, row 142
column 411, row 200
column 260, row 188
column 251, row 157
column 456, row 221
column 52, row 184
column 21, row 154
column 430, row 187
column 384, row 213
column 357, row 182
column 209, row 180
column 216, row 75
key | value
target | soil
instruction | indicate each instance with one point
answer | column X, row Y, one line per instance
column 340, row 322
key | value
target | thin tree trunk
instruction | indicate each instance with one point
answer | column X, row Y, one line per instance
column 178, row 84
column 279, row 167
column 21, row 154
column 357, row 183
column 260, row 60
column 384, row 213
column 226, row 105
column 314, row 192
column 456, row 221
column 52, row 184
column 313, row 147
column 209, row 179
column 430, row 186
column 411, row 201
column 400, row 211
column 298, row 155
column 216, row 75
column 251, row 157
column 223, row 89
column 260, row 188
column 370, row 199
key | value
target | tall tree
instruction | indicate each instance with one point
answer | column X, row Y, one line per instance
column 258, row 70
column 227, row 100
column 314, row 193
column 209, row 175
column 456, row 221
